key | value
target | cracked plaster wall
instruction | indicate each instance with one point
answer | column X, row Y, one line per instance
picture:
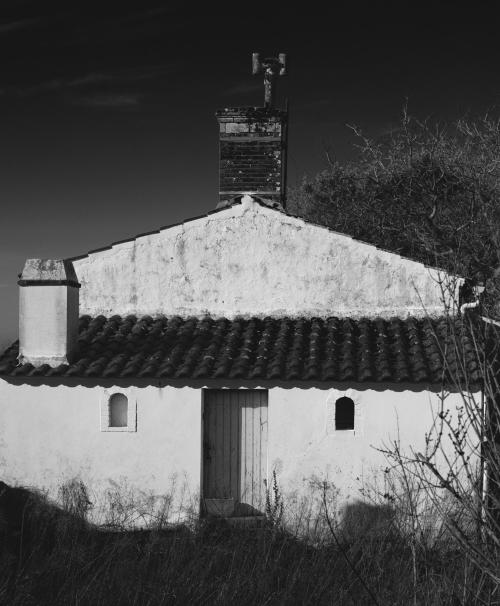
column 253, row 260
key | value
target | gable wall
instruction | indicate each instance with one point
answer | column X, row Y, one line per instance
column 252, row 260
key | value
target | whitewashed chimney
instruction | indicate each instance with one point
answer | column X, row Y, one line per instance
column 48, row 311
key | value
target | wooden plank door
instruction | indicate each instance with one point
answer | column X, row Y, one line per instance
column 235, row 451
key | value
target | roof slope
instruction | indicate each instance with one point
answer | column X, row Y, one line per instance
column 264, row 204
column 299, row 349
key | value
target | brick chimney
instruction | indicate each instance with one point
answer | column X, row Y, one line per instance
column 48, row 311
column 253, row 143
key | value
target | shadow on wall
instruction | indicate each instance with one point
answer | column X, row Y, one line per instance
column 26, row 514
column 361, row 520
column 30, row 523
column 29, row 520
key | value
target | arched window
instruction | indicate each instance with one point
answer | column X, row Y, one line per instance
column 118, row 410
column 344, row 413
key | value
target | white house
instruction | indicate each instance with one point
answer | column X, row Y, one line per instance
column 221, row 349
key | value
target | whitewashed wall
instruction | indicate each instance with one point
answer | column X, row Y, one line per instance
column 51, row 434
column 305, row 448
column 253, row 260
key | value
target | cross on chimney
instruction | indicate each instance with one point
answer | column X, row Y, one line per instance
column 273, row 68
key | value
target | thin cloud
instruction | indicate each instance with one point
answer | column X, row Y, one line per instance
column 88, row 79
column 26, row 91
column 245, row 87
column 162, row 10
column 136, row 74
column 318, row 103
column 111, row 100
column 13, row 26
column 127, row 75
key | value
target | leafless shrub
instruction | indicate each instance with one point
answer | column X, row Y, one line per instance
column 125, row 507
column 74, row 498
column 274, row 502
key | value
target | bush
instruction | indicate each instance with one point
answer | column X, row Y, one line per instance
column 427, row 191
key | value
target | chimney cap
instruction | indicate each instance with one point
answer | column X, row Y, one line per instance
column 252, row 112
column 48, row 272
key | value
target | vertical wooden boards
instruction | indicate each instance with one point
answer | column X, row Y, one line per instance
column 235, row 446
column 253, row 447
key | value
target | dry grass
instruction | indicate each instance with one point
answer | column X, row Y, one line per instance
column 52, row 556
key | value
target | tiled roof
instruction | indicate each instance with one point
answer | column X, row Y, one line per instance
column 298, row 349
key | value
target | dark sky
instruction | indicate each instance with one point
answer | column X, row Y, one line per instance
column 107, row 124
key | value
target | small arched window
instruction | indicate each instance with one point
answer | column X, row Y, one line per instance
column 118, row 410
column 344, row 413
